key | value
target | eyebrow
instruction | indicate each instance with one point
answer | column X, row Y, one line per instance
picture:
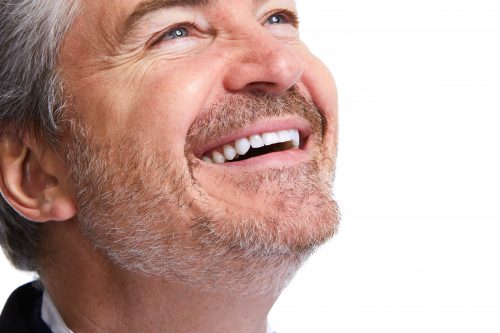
column 147, row 7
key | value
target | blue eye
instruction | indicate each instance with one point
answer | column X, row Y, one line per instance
column 277, row 19
column 177, row 33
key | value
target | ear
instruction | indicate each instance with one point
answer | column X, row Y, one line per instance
column 33, row 180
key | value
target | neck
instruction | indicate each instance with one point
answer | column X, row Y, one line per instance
column 93, row 295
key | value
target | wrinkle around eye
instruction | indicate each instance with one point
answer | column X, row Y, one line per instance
column 122, row 57
column 284, row 32
column 128, row 54
column 181, row 47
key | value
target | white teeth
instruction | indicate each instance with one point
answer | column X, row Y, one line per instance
column 256, row 141
column 242, row 146
column 295, row 137
column 284, row 136
column 218, row 157
column 270, row 138
column 208, row 159
column 229, row 152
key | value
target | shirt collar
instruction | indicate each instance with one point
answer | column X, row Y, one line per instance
column 51, row 316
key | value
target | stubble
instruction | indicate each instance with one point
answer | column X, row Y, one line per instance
column 147, row 212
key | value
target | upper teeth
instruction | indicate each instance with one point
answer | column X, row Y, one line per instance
column 241, row 146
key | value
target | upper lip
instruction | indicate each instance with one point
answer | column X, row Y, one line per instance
column 259, row 127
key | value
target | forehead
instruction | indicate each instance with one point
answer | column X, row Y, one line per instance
column 125, row 8
column 123, row 11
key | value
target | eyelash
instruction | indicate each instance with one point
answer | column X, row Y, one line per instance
column 163, row 35
column 290, row 16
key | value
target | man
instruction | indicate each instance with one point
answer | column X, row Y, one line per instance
column 166, row 165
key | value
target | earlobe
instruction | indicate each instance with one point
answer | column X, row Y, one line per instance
column 29, row 187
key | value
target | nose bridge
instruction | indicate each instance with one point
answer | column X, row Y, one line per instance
column 260, row 61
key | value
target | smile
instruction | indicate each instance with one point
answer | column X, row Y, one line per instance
column 253, row 146
column 267, row 143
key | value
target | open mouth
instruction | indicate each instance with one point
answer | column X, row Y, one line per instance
column 252, row 146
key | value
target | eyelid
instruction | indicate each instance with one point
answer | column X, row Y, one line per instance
column 292, row 16
column 158, row 37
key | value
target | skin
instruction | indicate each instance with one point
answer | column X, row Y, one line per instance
column 149, row 97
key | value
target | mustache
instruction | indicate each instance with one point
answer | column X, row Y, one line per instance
column 237, row 111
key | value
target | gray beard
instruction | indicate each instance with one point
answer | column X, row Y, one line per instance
column 145, row 211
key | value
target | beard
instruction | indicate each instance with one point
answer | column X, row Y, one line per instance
column 146, row 209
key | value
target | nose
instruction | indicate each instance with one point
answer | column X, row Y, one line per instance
column 265, row 64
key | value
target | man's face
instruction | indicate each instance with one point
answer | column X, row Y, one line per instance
column 162, row 90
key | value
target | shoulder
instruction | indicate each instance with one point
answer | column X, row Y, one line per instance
column 21, row 313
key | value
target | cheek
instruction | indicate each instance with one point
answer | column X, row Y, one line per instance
column 152, row 102
column 319, row 83
column 169, row 99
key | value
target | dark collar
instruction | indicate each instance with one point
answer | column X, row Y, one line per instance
column 22, row 312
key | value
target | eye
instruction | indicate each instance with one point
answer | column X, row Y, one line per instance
column 283, row 17
column 176, row 33
column 179, row 31
column 277, row 19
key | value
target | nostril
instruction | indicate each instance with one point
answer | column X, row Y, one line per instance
column 268, row 87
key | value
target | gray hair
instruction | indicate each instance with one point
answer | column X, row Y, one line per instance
column 31, row 33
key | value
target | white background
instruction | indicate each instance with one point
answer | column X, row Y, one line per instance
column 418, row 172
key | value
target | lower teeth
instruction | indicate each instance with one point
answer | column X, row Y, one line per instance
column 253, row 152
